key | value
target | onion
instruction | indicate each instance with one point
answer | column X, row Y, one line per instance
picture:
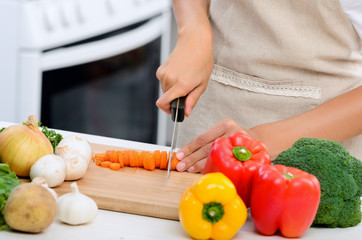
column 22, row 145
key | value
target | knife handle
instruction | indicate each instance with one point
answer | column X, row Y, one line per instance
column 181, row 109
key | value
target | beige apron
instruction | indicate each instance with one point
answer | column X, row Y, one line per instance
column 266, row 71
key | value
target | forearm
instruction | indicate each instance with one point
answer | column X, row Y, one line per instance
column 182, row 75
column 189, row 12
column 337, row 119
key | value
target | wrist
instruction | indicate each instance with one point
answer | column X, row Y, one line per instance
column 274, row 136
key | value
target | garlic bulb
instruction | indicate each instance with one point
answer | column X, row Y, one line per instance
column 22, row 145
column 42, row 182
column 51, row 167
column 75, row 145
column 75, row 208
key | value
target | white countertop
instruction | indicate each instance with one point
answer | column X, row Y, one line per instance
column 122, row 226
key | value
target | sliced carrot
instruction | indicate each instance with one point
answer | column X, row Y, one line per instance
column 157, row 157
column 98, row 159
column 99, row 156
column 108, row 155
column 112, row 157
column 106, row 164
column 174, row 161
column 132, row 159
column 125, row 157
column 119, row 159
column 139, row 159
column 149, row 161
column 98, row 162
column 115, row 166
column 163, row 162
column 144, row 160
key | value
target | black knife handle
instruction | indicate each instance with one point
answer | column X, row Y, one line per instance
column 181, row 109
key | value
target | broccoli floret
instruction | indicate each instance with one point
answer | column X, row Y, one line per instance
column 339, row 175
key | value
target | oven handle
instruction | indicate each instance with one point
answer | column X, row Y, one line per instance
column 105, row 48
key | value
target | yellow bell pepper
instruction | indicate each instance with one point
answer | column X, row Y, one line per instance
column 211, row 208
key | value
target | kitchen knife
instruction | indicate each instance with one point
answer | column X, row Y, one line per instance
column 177, row 115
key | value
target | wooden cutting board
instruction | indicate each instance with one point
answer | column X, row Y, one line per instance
column 133, row 190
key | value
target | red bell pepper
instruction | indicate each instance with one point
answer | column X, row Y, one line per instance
column 238, row 157
column 284, row 198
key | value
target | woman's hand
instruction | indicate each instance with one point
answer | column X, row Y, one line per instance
column 193, row 156
column 187, row 70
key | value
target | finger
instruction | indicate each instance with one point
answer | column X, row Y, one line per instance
column 163, row 105
column 192, row 99
column 176, row 91
column 164, row 102
column 198, row 167
column 193, row 158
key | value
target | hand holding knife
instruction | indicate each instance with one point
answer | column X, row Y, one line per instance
column 177, row 115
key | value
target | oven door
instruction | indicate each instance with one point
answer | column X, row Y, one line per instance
column 103, row 86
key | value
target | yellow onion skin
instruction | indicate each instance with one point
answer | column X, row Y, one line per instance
column 22, row 145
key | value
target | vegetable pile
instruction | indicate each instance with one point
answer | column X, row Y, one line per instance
column 280, row 198
column 131, row 158
column 48, row 159
column 340, row 177
column 8, row 181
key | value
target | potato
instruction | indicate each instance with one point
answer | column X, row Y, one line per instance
column 30, row 208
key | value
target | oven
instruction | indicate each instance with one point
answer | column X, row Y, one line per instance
column 85, row 65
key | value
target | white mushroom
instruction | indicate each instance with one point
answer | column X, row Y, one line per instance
column 51, row 167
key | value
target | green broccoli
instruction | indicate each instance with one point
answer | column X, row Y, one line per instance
column 339, row 175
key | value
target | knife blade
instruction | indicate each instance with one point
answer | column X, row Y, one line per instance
column 177, row 115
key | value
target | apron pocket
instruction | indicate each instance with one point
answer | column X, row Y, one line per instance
column 259, row 85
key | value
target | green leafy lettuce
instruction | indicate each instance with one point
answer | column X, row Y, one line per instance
column 8, row 181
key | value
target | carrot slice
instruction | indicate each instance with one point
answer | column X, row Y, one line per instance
column 98, row 159
column 125, row 157
column 144, row 160
column 163, row 162
column 174, row 161
column 106, row 164
column 149, row 161
column 157, row 157
column 98, row 162
column 114, row 157
column 119, row 159
column 108, row 155
column 99, row 156
column 139, row 159
column 132, row 158
column 115, row 166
